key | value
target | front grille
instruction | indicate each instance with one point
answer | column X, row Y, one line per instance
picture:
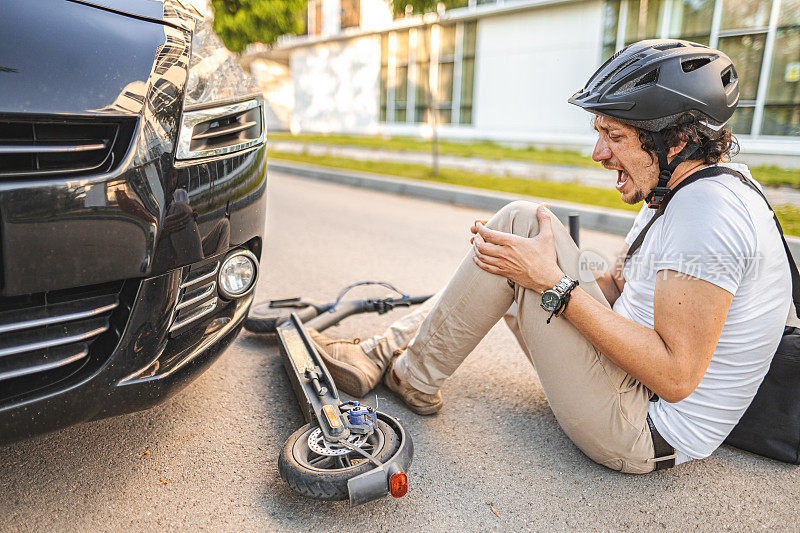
column 197, row 296
column 46, row 147
column 47, row 338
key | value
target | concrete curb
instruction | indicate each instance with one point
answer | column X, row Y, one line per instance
column 613, row 221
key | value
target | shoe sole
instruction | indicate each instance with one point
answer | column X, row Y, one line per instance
column 432, row 410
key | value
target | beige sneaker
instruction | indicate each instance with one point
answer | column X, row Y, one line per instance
column 418, row 401
column 351, row 369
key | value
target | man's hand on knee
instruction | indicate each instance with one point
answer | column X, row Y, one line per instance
column 529, row 262
column 474, row 228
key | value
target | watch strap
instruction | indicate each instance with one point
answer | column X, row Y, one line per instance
column 566, row 297
column 564, row 289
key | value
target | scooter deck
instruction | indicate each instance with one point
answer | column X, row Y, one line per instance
column 312, row 384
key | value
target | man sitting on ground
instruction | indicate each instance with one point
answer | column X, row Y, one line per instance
column 654, row 363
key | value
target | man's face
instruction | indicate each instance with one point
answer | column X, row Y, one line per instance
column 618, row 148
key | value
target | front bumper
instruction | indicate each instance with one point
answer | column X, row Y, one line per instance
column 96, row 316
column 148, row 364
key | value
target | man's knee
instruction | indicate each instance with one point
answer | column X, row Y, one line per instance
column 517, row 217
column 519, row 208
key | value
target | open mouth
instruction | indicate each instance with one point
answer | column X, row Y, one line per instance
column 622, row 179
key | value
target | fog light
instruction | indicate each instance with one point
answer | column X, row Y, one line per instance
column 238, row 274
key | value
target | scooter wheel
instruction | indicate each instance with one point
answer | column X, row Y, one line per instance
column 324, row 477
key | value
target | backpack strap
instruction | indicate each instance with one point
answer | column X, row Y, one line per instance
column 716, row 171
column 700, row 174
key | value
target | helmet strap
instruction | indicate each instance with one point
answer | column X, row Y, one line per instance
column 665, row 169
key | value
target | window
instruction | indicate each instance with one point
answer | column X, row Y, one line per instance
column 741, row 29
column 305, row 19
column 447, row 62
column 610, row 27
column 384, row 82
column 743, row 36
column 782, row 105
column 691, row 20
column 745, row 14
column 314, row 12
column 350, row 13
column 642, row 20
column 422, row 101
column 400, row 84
column 747, row 53
column 467, row 73
column 406, row 76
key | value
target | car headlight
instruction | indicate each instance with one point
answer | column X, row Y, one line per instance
column 223, row 105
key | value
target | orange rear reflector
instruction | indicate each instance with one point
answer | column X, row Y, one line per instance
column 398, row 484
column 333, row 420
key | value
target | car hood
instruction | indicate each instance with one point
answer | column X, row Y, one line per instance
column 176, row 13
column 76, row 58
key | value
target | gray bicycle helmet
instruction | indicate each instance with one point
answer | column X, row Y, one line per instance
column 650, row 84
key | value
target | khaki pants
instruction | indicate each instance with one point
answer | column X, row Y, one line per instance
column 600, row 407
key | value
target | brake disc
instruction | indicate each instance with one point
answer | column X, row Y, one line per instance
column 318, row 444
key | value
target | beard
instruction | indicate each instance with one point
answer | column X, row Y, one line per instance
column 637, row 196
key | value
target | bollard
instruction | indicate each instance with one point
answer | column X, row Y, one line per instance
column 575, row 228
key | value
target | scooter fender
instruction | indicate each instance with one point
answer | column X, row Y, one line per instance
column 374, row 484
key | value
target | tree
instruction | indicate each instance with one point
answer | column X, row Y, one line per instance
column 241, row 22
column 424, row 6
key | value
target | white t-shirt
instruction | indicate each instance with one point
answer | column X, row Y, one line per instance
column 719, row 230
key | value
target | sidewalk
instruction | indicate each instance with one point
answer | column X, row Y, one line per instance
column 518, row 169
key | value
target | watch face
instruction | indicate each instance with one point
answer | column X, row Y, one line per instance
column 550, row 300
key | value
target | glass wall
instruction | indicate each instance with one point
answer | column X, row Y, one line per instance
column 745, row 31
column 407, row 77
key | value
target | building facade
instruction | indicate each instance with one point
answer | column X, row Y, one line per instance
column 503, row 70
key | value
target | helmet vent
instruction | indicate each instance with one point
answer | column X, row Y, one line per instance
column 616, row 70
column 728, row 77
column 694, row 64
column 642, row 81
column 602, row 67
column 668, row 46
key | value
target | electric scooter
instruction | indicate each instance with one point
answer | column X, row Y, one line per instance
column 347, row 450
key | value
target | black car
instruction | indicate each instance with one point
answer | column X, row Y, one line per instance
column 132, row 206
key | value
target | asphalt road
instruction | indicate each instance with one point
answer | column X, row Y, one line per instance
column 207, row 459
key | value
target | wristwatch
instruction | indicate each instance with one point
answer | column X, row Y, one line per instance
column 555, row 300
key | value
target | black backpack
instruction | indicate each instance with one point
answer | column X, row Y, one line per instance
column 771, row 425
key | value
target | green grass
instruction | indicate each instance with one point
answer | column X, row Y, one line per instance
column 776, row 176
column 569, row 192
column 789, row 217
column 766, row 175
column 483, row 149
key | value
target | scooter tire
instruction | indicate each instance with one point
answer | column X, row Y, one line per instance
column 325, row 484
